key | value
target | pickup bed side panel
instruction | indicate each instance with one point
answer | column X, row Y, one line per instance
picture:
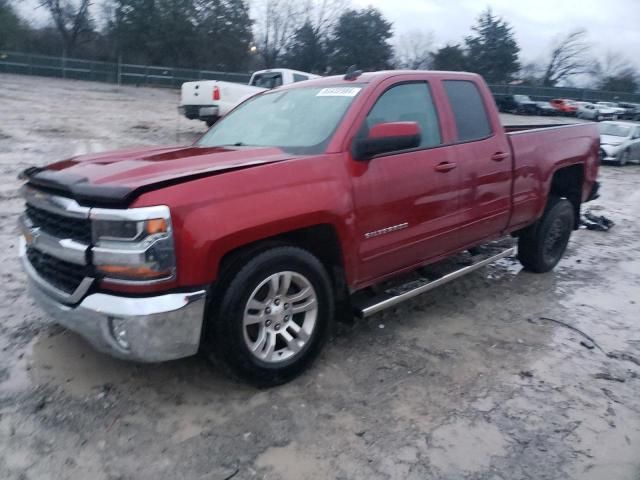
column 213, row 216
column 538, row 154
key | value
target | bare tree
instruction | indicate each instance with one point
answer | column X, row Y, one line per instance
column 71, row 19
column 323, row 14
column 276, row 21
column 569, row 57
column 611, row 65
column 615, row 72
column 413, row 50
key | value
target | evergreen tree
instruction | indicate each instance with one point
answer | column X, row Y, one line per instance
column 361, row 38
column 492, row 51
column 225, row 32
column 450, row 57
column 10, row 26
column 306, row 51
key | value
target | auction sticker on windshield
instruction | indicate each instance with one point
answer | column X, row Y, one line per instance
column 338, row 92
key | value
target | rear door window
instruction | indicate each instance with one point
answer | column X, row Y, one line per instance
column 470, row 114
column 299, row 78
column 407, row 102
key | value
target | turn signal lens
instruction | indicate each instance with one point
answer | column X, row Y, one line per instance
column 123, row 271
column 156, row 225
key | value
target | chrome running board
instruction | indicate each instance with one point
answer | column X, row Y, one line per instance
column 367, row 307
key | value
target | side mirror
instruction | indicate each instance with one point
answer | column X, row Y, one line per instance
column 387, row 137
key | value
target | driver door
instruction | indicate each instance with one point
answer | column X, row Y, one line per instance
column 406, row 202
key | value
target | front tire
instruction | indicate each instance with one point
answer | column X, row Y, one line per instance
column 624, row 158
column 542, row 245
column 273, row 316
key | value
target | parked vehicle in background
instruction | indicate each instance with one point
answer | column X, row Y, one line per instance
column 546, row 109
column 619, row 142
column 208, row 100
column 632, row 110
column 564, row 106
column 519, row 104
column 619, row 111
column 245, row 243
column 591, row 111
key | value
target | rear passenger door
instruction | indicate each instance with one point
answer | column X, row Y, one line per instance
column 484, row 162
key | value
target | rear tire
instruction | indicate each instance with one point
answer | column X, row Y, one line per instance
column 542, row 245
column 272, row 316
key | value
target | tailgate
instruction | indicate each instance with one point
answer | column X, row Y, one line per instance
column 197, row 93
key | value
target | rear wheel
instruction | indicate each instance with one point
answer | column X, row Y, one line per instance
column 542, row 245
column 273, row 317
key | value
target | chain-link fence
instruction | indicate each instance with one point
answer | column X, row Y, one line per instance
column 127, row 74
column 580, row 94
column 120, row 73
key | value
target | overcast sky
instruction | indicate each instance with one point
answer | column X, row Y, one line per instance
column 612, row 24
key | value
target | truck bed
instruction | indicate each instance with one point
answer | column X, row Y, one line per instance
column 538, row 151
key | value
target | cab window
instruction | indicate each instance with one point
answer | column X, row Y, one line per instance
column 408, row 102
column 469, row 112
column 267, row 80
column 299, row 78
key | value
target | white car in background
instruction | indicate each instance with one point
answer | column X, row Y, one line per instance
column 619, row 111
column 208, row 100
column 591, row 111
column 619, row 142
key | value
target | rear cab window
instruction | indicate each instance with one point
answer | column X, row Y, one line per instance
column 469, row 111
column 267, row 80
column 407, row 102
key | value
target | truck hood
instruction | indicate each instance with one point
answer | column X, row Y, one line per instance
column 116, row 178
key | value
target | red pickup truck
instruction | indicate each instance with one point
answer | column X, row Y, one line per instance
column 245, row 243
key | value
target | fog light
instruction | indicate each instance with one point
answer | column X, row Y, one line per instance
column 118, row 327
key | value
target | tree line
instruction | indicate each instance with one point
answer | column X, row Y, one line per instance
column 319, row 36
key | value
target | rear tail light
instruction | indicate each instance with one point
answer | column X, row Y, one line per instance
column 216, row 93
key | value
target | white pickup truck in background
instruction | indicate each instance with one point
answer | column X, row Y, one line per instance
column 208, row 100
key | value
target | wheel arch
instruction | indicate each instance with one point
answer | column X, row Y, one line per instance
column 321, row 240
column 567, row 182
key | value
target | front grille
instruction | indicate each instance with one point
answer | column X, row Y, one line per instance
column 63, row 275
column 60, row 226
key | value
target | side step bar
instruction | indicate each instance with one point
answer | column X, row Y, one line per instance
column 387, row 300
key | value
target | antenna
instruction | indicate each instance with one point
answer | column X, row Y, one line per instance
column 352, row 73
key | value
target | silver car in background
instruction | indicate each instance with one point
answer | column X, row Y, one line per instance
column 619, row 111
column 591, row 111
column 619, row 142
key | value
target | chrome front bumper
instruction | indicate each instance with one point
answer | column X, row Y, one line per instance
column 158, row 328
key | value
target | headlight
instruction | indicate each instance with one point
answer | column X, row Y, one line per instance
column 134, row 245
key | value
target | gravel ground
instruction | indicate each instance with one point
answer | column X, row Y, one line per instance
column 464, row 382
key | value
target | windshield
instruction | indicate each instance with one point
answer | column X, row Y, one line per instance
column 299, row 120
column 614, row 130
column 522, row 98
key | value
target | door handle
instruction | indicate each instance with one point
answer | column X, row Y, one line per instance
column 445, row 166
column 499, row 156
